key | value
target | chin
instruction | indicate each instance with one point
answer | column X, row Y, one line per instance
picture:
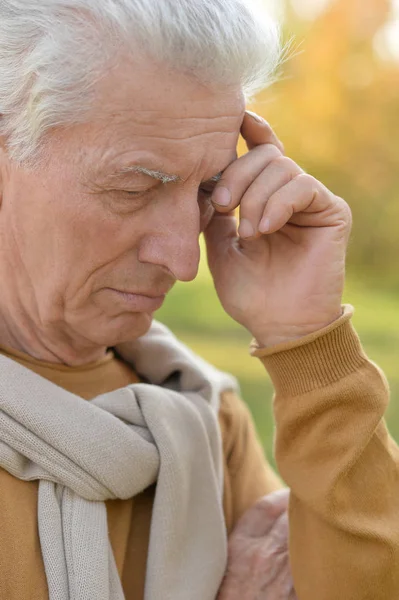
column 122, row 329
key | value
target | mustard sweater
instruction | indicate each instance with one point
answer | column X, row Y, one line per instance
column 332, row 450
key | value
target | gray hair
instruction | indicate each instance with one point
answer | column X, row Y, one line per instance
column 52, row 52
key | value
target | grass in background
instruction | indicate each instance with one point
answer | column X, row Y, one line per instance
column 194, row 313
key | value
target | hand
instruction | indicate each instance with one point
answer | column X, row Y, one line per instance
column 282, row 276
column 258, row 564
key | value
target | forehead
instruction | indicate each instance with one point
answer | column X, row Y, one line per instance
column 171, row 118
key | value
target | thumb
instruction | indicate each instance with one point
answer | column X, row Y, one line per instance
column 261, row 518
column 256, row 131
column 219, row 235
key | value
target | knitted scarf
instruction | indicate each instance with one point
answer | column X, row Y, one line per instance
column 115, row 446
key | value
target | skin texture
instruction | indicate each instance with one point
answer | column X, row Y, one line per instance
column 70, row 230
column 283, row 278
column 73, row 236
column 71, row 233
column 258, row 562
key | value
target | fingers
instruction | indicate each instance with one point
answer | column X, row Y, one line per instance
column 239, row 176
column 256, row 131
column 263, row 516
column 278, row 174
column 297, row 202
column 281, row 587
column 265, row 147
column 251, row 180
column 250, row 183
column 271, row 189
column 276, row 503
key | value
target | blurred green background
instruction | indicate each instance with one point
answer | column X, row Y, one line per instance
column 336, row 108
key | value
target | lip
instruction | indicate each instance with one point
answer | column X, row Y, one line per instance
column 139, row 302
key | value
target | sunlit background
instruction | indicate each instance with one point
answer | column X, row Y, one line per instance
column 336, row 108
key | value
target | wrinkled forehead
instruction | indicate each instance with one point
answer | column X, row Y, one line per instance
column 147, row 87
column 163, row 113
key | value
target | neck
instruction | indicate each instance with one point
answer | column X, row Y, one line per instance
column 58, row 353
column 17, row 332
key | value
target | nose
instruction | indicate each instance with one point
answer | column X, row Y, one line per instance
column 173, row 239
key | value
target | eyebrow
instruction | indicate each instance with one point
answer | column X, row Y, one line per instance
column 159, row 175
column 216, row 178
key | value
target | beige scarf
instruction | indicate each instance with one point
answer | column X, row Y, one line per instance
column 115, row 446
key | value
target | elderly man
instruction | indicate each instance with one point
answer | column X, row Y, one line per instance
column 125, row 459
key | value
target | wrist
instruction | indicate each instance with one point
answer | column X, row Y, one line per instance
column 275, row 336
column 321, row 358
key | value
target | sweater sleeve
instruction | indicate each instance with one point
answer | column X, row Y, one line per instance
column 334, row 451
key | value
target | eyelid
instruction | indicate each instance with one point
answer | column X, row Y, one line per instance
column 207, row 187
column 136, row 191
column 130, row 193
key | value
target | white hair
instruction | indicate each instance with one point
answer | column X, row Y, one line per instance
column 52, row 52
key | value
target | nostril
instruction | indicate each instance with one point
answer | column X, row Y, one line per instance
column 177, row 254
column 187, row 265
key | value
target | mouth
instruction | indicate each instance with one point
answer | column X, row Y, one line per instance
column 139, row 302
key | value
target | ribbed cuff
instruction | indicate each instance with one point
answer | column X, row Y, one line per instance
column 314, row 361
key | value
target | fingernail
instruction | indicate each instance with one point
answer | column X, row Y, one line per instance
column 221, row 196
column 255, row 116
column 245, row 229
column 264, row 226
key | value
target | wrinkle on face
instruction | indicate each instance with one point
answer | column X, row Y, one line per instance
column 80, row 232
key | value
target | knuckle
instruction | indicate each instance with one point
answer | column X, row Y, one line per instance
column 344, row 207
column 280, row 163
column 345, row 211
column 270, row 151
column 252, row 203
column 307, row 180
column 260, row 560
column 286, row 165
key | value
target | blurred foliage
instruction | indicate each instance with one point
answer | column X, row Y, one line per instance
column 336, row 108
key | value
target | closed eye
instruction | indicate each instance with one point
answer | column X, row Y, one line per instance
column 208, row 188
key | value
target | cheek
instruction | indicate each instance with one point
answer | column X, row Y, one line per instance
column 102, row 244
column 73, row 244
